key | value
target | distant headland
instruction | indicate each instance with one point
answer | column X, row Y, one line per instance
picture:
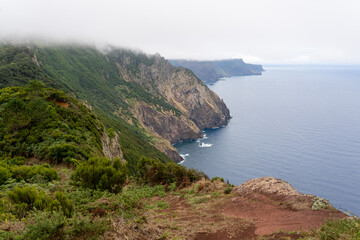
column 210, row 71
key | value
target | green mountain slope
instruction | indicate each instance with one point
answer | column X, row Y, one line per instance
column 18, row 66
column 45, row 123
column 81, row 79
column 146, row 100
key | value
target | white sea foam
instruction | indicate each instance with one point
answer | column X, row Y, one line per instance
column 205, row 145
column 184, row 156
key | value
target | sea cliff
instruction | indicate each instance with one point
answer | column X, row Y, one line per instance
column 143, row 95
column 210, row 71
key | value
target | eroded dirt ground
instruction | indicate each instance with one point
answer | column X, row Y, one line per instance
column 208, row 213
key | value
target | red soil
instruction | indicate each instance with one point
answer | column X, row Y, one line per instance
column 270, row 217
column 62, row 104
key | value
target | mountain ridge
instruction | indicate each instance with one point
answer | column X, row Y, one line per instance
column 210, row 71
column 124, row 86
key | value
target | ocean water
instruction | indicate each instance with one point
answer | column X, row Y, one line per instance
column 300, row 124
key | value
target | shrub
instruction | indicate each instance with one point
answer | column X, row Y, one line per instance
column 195, row 175
column 26, row 195
column 28, row 173
column 155, row 172
column 177, row 173
column 217, row 178
column 110, row 132
column 59, row 152
column 101, row 173
column 14, row 115
column 47, row 226
column 25, row 173
column 319, row 203
column 347, row 228
column 62, row 203
column 86, row 227
column 13, row 161
column 28, row 198
column 5, row 174
column 228, row 190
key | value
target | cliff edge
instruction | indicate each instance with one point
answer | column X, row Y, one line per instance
column 262, row 208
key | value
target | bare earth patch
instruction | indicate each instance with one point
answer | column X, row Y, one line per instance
column 251, row 211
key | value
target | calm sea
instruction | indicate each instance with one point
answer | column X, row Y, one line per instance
column 300, row 124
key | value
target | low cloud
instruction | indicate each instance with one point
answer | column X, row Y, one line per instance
column 259, row 31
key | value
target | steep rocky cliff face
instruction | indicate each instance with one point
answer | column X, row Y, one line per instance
column 182, row 89
column 111, row 147
column 198, row 107
column 141, row 95
column 165, row 123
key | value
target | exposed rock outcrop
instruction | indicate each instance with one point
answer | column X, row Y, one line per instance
column 181, row 88
column 198, row 107
column 165, row 123
column 267, row 185
column 111, row 147
column 274, row 204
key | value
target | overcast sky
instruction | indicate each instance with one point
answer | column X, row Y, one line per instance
column 260, row 31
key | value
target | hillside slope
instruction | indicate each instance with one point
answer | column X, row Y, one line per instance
column 144, row 97
column 211, row 71
column 45, row 123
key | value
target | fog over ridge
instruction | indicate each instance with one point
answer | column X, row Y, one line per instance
column 259, row 31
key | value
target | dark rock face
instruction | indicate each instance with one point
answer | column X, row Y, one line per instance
column 183, row 90
column 211, row 71
column 198, row 107
column 171, row 127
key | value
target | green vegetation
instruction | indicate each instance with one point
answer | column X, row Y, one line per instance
column 154, row 172
column 24, row 199
column 339, row 229
column 28, row 173
column 93, row 77
column 17, row 67
column 320, row 203
column 35, row 124
column 78, row 204
column 47, row 225
column 101, row 173
column 228, row 190
column 211, row 71
column 217, row 178
column 82, row 195
column 110, row 132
